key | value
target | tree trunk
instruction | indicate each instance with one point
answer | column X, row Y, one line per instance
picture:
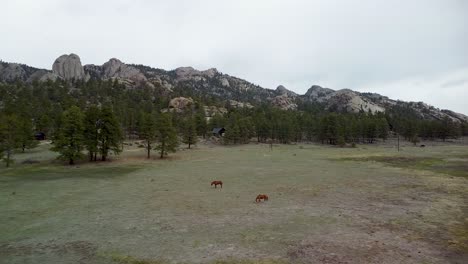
column 398, row 138
column 8, row 158
column 148, row 148
column 71, row 162
column 163, row 146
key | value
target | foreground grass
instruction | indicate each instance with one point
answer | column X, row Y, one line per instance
column 132, row 260
column 377, row 207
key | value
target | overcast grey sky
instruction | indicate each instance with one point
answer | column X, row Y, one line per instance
column 406, row 49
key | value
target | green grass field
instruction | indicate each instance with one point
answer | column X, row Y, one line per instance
column 368, row 204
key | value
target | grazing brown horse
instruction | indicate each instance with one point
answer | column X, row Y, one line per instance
column 216, row 183
column 261, row 197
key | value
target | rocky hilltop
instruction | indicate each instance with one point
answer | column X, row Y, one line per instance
column 235, row 91
column 69, row 67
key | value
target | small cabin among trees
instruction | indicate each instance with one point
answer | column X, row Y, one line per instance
column 40, row 136
column 218, row 131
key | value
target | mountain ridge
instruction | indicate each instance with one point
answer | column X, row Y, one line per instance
column 211, row 82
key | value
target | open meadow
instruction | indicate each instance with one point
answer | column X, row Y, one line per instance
column 369, row 204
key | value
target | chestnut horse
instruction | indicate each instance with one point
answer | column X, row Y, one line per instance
column 261, row 197
column 216, row 183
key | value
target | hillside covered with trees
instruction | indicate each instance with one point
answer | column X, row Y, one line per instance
column 93, row 118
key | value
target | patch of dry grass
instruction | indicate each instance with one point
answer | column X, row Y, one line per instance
column 452, row 167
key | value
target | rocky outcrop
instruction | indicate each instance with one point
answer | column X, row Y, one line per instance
column 285, row 99
column 284, row 102
column 128, row 75
column 69, row 67
column 225, row 82
column 281, row 90
column 183, row 104
column 350, row 101
column 180, row 104
column 211, row 111
column 455, row 116
column 317, row 93
column 237, row 104
column 344, row 100
column 184, row 73
column 12, row 71
column 42, row 76
column 114, row 68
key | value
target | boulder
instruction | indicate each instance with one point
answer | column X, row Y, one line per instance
column 69, row 67
column 180, row 104
column 225, row 82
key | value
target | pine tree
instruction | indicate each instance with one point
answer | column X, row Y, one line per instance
column 148, row 131
column 167, row 135
column 44, row 125
column 232, row 134
column 92, row 126
column 383, row 128
column 189, row 133
column 246, row 129
column 9, row 137
column 201, row 125
column 69, row 141
column 355, row 130
column 110, row 133
column 217, row 121
column 26, row 133
column 370, row 126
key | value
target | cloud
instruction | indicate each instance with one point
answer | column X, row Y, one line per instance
column 297, row 43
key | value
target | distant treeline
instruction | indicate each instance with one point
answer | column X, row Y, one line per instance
column 97, row 116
